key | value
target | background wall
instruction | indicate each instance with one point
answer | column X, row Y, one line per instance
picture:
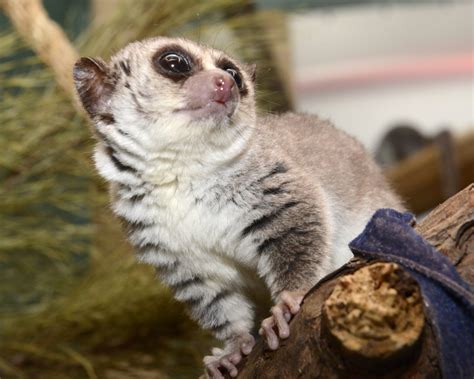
column 367, row 67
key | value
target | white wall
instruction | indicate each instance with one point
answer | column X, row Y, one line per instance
column 368, row 67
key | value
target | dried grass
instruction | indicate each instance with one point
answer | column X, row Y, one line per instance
column 73, row 301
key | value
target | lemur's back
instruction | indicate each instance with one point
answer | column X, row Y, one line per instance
column 334, row 159
column 340, row 168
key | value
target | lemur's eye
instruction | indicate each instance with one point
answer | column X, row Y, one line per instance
column 174, row 63
column 236, row 75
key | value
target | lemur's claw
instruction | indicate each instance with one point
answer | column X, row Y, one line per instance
column 227, row 359
column 282, row 313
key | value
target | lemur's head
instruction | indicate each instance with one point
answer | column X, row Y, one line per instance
column 168, row 94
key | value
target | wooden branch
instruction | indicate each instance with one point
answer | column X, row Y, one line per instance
column 374, row 317
column 365, row 320
column 450, row 229
column 46, row 38
column 419, row 179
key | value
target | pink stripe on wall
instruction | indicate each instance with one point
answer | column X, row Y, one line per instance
column 384, row 72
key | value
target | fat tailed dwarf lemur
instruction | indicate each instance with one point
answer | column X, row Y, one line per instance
column 223, row 202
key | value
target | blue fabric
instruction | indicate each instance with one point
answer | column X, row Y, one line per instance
column 449, row 300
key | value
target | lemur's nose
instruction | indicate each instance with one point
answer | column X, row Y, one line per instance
column 223, row 85
column 211, row 87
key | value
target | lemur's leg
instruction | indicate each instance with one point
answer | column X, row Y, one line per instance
column 226, row 313
column 217, row 305
column 293, row 256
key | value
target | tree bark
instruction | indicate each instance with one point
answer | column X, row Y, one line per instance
column 317, row 348
column 450, row 229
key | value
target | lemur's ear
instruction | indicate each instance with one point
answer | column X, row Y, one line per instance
column 252, row 70
column 92, row 84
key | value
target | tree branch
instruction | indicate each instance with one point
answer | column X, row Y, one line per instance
column 328, row 341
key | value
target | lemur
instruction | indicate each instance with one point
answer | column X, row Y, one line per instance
column 228, row 205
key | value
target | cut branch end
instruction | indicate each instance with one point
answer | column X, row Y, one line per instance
column 374, row 316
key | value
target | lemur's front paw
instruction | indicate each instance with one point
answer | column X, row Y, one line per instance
column 282, row 313
column 226, row 359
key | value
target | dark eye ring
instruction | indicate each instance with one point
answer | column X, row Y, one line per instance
column 174, row 63
column 236, row 75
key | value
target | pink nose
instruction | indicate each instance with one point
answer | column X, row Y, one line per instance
column 223, row 85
